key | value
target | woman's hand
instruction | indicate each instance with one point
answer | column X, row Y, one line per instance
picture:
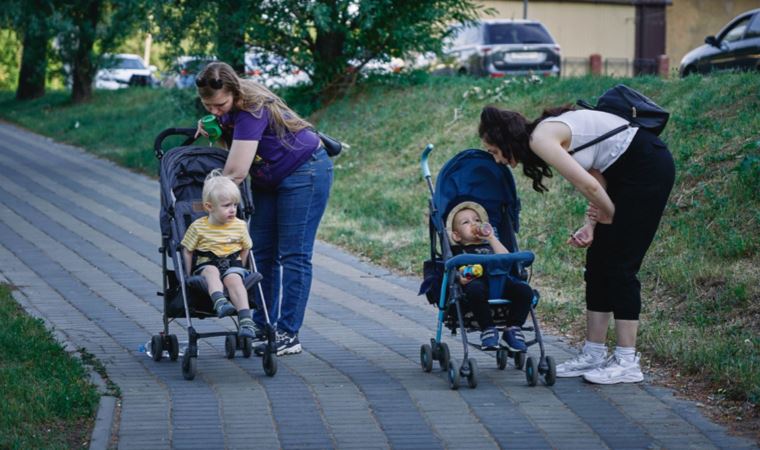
column 583, row 237
column 200, row 130
column 597, row 215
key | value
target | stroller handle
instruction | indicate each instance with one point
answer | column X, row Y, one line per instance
column 424, row 161
column 157, row 144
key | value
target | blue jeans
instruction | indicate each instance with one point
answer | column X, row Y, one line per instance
column 283, row 229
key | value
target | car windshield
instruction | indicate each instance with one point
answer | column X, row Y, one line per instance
column 124, row 63
column 517, row 33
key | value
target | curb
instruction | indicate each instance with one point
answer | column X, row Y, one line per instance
column 105, row 417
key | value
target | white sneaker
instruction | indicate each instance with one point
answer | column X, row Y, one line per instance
column 616, row 370
column 581, row 364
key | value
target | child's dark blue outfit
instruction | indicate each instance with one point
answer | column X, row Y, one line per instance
column 519, row 293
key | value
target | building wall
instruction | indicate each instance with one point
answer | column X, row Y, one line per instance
column 579, row 28
column 689, row 21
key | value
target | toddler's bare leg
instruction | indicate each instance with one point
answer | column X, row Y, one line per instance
column 213, row 281
column 236, row 290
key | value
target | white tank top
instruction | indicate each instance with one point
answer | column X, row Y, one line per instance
column 586, row 125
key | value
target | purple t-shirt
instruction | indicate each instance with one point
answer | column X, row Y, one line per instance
column 275, row 158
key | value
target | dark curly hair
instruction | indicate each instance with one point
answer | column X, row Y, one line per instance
column 510, row 132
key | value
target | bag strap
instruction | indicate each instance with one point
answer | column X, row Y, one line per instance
column 606, row 135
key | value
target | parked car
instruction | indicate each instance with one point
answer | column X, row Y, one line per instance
column 186, row 69
column 124, row 70
column 497, row 48
column 737, row 46
column 272, row 70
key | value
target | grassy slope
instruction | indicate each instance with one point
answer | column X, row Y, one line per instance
column 699, row 279
column 48, row 401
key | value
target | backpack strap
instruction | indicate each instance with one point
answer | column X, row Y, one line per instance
column 606, row 135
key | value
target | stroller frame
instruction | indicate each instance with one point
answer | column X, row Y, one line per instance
column 452, row 294
column 233, row 342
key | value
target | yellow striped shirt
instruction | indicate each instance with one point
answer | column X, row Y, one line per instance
column 222, row 240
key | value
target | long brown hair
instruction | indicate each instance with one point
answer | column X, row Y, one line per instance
column 251, row 96
column 510, row 132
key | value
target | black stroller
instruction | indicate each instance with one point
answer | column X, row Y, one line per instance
column 473, row 175
column 182, row 172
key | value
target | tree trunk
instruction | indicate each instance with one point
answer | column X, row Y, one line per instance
column 330, row 65
column 31, row 79
column 83, row 67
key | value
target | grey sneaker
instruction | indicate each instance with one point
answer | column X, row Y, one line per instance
column 584, row 362
column 285, row 343
column 223, row 308
column 248, row 329
column 617, row 370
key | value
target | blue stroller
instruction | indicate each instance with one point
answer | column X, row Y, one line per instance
column 474, row 175
column 182, row 172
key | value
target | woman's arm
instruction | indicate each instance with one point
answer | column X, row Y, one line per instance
column 546, row 142
column 240, row 159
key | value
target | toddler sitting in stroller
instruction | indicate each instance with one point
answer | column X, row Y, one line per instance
column 470, row 232
column 221, row 244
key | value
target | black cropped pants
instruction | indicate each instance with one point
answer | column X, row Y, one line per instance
column 638, row 184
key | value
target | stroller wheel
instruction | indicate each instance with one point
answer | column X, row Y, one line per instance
column 472, row 377
column 269, row 361
column 531, row 371
column 501, row 359
column 519, row 360
column 426, row 357
column 173, row 347
column 247, row 347
column 230, row 344
column 188, row 366
column 551, row 371
column 157, row 347
column 444, row 356
column 453, row 375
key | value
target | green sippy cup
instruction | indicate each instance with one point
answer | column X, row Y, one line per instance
column 211, row 125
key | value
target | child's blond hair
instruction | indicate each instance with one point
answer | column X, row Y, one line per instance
column 218, row 187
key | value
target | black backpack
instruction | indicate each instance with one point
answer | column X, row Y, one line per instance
column 632, row 106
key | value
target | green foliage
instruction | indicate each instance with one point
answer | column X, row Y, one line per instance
column 46, row 393
column 10, row 57
column 699, row 278
column 320, row 37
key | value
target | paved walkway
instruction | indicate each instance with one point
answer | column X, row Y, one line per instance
column 79, row 238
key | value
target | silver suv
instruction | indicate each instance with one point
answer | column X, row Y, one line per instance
column 497, row 48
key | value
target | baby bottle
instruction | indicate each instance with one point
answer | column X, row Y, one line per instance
column 211, row 125
column 484, row 229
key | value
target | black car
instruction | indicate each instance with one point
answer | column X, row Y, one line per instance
column 496, row 48
column 737, row 46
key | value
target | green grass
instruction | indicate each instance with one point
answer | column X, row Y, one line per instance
column 701, row 299
column 47, row 400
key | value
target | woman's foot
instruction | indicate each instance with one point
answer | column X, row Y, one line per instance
column 617, row 369
column 581, row 364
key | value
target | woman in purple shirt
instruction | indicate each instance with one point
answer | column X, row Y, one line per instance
column 291, row 176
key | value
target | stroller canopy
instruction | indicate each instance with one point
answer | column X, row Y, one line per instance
column 474, row 175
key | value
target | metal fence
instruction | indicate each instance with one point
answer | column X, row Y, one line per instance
column 614, row 67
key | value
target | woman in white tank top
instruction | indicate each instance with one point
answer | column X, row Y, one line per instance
column 627, row 179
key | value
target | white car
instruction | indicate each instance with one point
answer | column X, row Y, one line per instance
column 273, row 71
column 124, row 70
